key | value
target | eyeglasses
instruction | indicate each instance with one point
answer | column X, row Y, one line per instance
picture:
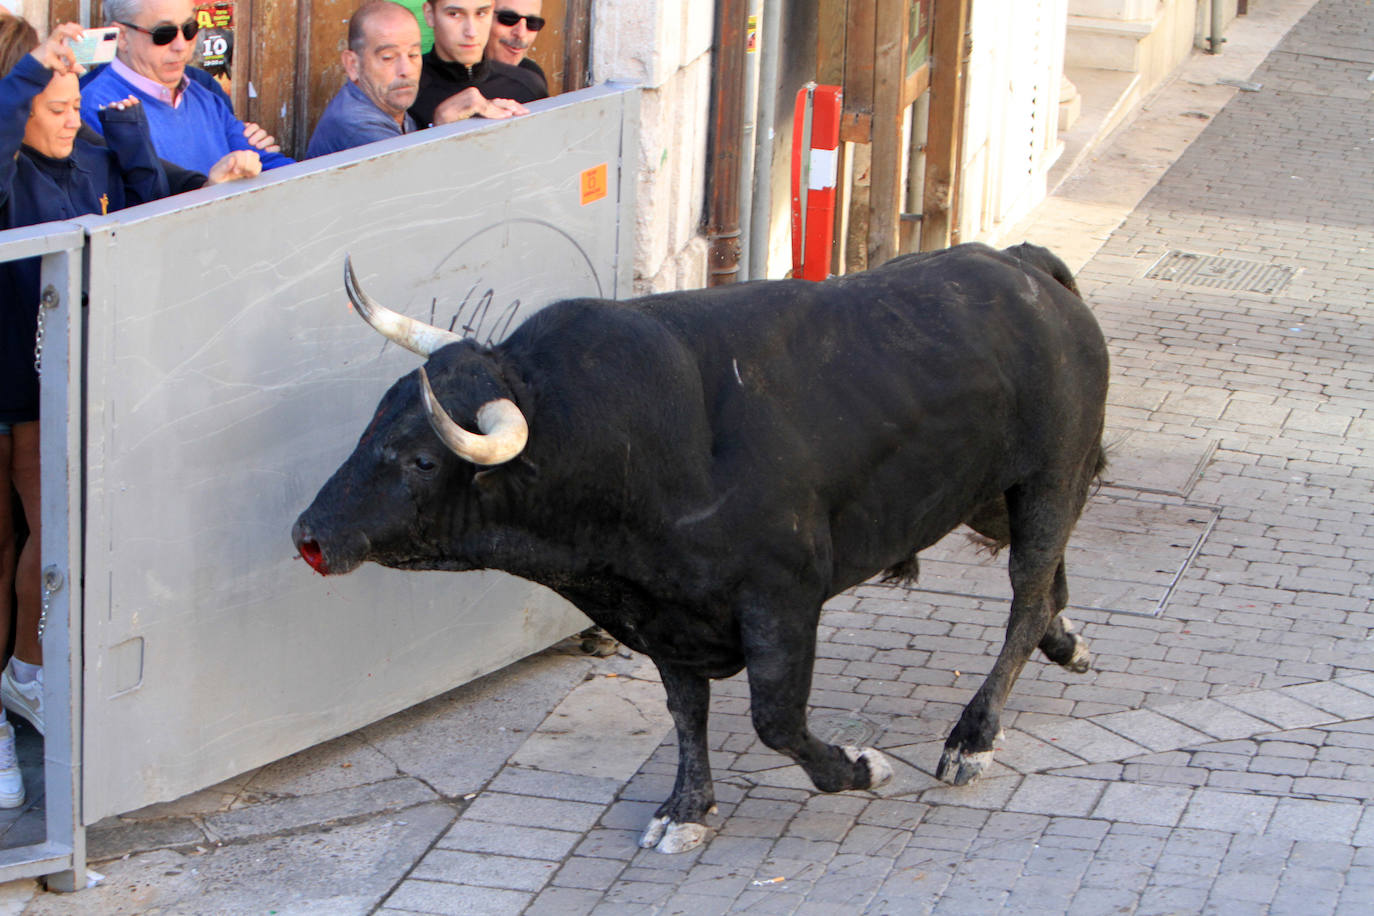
column 166, row 33
column 510, row 18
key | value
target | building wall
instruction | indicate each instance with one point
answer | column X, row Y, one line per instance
column 1011, row 122
column 663, row 45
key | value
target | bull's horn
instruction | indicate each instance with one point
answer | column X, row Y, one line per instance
column 503, row 429
column 415, row 336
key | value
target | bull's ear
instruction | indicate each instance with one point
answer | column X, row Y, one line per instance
column 487, row 480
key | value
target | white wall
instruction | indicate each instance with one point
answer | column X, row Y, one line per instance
column 1011, row 124
column 664, row 45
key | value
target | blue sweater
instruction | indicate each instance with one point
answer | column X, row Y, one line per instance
column 352, row 119
column 195, row 134
column 35, row 188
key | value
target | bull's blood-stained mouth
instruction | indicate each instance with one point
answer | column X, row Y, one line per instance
column 311, row 553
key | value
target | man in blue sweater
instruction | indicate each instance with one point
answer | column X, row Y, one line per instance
column 191, row 125
column 382, row 61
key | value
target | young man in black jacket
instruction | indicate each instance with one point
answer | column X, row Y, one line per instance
column 455, row 82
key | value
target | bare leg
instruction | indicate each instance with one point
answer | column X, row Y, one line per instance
column 26, row 479
column 677, row 825
column 7, row 545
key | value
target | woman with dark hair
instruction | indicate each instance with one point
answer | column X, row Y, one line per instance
column 46, row 173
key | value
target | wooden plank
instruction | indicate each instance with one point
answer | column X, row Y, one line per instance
column 272, row 71
column 858, row 71
column 242, row 64
column 915, row 84
column 949, row 44
column 832, row 21
column 885, row 176
column 324, row 30
column 60, row 11
column 568, row 67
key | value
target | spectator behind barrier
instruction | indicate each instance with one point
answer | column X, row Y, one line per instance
column 513, row 29
column 47, row 173
column 456, row 83
column 382, row 61
column 192, row 125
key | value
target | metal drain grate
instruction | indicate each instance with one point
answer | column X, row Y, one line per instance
column 1220, row 273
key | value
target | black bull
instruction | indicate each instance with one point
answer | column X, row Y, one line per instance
column 704, row 469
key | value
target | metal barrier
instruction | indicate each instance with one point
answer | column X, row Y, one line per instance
column 225, row 377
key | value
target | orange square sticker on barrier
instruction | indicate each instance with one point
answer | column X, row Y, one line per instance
column 594, row 185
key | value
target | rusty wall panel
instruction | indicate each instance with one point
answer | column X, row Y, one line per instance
column 272, row 69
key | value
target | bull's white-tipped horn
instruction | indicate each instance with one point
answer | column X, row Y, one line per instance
column 415, row 336
column 503, row 430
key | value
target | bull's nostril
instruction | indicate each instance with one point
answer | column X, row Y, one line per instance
column 312, row 554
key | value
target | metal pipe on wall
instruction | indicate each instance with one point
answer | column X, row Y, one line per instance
column 748, row 140
column 727, row 120
column 761, row 203
column 1218, row 25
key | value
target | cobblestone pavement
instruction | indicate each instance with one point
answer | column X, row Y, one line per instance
column 1218, row 759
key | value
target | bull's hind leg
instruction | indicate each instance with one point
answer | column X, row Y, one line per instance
column 1041, row 518
column 780, row 651
column 677, row 825
column 1060, row 643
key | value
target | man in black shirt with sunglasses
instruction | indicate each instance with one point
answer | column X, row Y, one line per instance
column 455, row 82
column 517, row 23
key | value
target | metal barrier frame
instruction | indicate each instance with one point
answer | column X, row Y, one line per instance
column 62, row 855
column 67, row 256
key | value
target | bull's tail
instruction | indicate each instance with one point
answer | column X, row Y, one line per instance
column 1045, row 260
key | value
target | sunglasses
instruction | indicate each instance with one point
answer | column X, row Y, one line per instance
column 510, row 18
column 166, row 34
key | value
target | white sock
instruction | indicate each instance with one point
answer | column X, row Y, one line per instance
column 23, row 671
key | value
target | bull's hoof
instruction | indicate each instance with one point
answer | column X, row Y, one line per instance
column 959, row 769
column 666, row 836
column 1082, row 659
column 879, row 770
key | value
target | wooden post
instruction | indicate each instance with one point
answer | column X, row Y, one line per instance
column 949, row 55
column 885, row 169
column 577, row 34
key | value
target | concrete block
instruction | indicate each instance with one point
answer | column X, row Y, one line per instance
column 1236, row 812
column 1056, row 795
column 1141, row 804
column 1314, row 821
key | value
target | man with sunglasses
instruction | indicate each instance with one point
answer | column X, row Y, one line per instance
column 513, row 30
column 192, row 125
column 455, row 81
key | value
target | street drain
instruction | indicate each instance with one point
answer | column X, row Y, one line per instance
column 835, row 728
column 1220, row 273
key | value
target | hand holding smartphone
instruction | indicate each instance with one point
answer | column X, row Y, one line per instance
column 96, row 46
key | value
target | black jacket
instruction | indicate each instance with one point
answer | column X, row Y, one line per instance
column 440, row 79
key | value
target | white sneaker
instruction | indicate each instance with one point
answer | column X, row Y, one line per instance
column 11, row 783
column 24, row 699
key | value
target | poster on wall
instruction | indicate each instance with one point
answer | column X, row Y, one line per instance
column 918, row 35
column 215, row 42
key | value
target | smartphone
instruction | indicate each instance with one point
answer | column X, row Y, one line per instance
column 96, row 46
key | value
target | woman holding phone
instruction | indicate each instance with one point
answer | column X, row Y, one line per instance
column 46, row 173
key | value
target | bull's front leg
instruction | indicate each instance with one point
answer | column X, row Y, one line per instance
column 678, row 824
column 780, row 653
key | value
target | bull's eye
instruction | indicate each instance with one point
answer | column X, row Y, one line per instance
column 424, row 463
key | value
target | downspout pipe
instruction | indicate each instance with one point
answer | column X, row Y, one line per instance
column 748, row 140
column 761, row 205
column 723, row 151
column 1215, row 40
